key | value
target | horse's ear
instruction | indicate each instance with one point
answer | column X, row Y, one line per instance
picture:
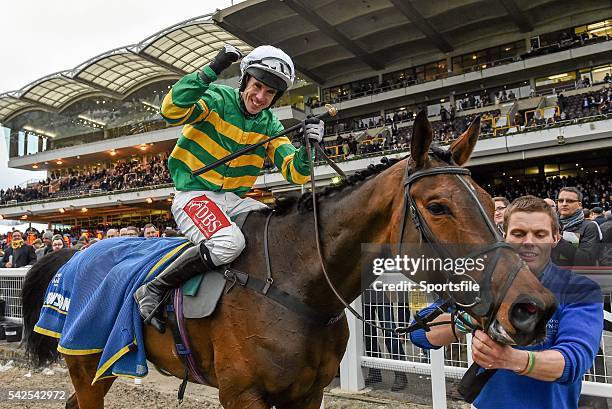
column 422, row 136
column 464, row 145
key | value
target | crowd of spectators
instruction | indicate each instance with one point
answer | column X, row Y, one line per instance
column 35, row 244
column 372, row 86
column 596, row 188
column 566, row 41
column 121, row 176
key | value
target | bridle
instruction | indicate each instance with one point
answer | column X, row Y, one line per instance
column 485, row 304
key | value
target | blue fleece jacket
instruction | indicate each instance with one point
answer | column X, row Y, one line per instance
column 574, row 330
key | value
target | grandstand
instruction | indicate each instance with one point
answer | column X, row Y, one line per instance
column 539, row 79
column 536, row 79
column 539, row 75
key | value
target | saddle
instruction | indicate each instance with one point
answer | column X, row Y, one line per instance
column 202, row 293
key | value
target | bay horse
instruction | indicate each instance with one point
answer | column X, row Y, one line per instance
column 261, row 355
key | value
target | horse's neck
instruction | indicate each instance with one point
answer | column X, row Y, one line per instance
column 346, row 221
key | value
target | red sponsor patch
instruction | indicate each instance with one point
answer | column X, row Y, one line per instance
column 206, row 215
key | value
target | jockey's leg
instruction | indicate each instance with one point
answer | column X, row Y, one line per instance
column 201, row 216
column 193, row 261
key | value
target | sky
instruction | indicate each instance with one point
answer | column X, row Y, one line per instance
column 43, row 37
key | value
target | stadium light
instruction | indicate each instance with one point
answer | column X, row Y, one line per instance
column 34, row 166
column 113, row 152
column 84, row 209
column 59, row 162
column 149, row 200
column 93, row 121
column 62, row 210
column 556, row 77
column 39, row 132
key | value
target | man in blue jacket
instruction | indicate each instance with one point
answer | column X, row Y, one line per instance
column 548, row 374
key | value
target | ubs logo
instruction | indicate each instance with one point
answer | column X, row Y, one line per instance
column 206, row 215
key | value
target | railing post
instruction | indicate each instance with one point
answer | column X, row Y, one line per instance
column 351, row 375
column 470, row 361
column 438, row 379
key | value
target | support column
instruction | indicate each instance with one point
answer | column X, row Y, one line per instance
column 13, row 148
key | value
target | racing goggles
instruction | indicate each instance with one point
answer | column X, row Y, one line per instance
column 275, row 64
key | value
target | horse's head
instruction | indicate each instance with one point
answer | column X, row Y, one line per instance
column 446, row 208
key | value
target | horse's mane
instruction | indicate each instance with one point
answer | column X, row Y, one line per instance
column 304, row 201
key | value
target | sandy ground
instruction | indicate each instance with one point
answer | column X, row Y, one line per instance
column 158, row 391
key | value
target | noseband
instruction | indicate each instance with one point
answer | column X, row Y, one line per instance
column 485, row 304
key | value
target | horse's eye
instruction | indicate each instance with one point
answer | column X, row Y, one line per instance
column 437, row 209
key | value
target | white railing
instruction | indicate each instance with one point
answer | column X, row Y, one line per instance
column 11, row 282
column 379, row 349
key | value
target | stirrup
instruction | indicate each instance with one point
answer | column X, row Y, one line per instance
column 154, row 319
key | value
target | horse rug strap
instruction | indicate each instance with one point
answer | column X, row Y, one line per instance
column 202, row 293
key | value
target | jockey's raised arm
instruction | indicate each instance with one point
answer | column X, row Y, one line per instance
column 217, row 121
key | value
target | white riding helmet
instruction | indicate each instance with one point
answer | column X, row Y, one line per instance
column 269, row 65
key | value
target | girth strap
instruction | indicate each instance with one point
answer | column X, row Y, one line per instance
column 287, row 300
column 180, row 336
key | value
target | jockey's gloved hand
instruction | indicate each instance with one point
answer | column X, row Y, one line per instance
column 226, row 56
column 313, row 130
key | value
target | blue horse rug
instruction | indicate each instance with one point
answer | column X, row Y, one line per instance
column 89, row 303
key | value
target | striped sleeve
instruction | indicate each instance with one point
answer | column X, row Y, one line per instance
column 186, row 103
column 292, row 162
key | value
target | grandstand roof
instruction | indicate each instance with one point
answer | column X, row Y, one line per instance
column 170, row 53
column 330, row 39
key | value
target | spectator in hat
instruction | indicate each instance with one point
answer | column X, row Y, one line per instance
column 597, row 215
column 47, row 248
column 57, row 242
column 37, row 244
column 82, row 243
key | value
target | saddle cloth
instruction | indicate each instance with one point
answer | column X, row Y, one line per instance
column 202, row 293
column 89, row 303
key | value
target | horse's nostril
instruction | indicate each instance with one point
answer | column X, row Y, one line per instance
column 530, row 308
column 524, row 316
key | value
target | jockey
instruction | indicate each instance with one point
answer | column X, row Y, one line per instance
column 219, row 120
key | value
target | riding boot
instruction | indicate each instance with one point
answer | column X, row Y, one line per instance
column 193, row 261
